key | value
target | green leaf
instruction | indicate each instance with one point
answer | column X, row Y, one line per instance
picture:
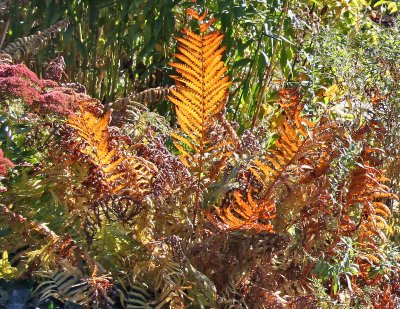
column 240, row 63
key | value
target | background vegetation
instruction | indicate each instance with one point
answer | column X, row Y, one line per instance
column 280, row 192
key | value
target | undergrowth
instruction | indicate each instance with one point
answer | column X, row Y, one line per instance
column 108, row 206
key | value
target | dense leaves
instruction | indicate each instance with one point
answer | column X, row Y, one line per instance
column 254, row 165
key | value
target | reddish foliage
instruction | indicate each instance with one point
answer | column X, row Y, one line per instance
column 4, row 164
column 18, row 87
column 19, row 70
column 57, row 101
column 17, row 81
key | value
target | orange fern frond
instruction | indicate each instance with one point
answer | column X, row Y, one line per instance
column 120, row 174
column 95, row 132
column 276, row 161
column 273, row 169
column 368, row 189
column 199, row 98
column 290, row 101
column 293, row 140
column 248, row 214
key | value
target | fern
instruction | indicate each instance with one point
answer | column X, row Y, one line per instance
column 138, row 298
column 270, row 171
column 126, row 111
column 48, row 249
column 29, row 44
column 199, row 98
column 367, row 188
column 246, row 214
column 146, row 97
column 70, row 286
column 119, row 172
column 150, row 96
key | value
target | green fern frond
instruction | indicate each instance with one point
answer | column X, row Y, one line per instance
column 137, row 297
column 64, row 286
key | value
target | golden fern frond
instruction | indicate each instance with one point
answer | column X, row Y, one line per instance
column 25, row 45
column 272, row 170
column 95, row 132
column 269, row 171
column 277, row 160
column 247, row 214
column 130, row 175
column 199, row 98
column 292, row 141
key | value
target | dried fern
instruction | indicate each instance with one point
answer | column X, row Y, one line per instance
column 29, row 44
column 126, row 111
column 367, row 188
column 150, row 96
column 132, row 113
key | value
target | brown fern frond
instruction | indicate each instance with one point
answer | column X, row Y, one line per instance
column 314, row 218
column 199, row 98
column 147, row 98
column 130, row 108
column 29, row 44
column 367, row 189
column 150, row 96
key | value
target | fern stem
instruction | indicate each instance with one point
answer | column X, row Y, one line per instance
column 32, row 225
